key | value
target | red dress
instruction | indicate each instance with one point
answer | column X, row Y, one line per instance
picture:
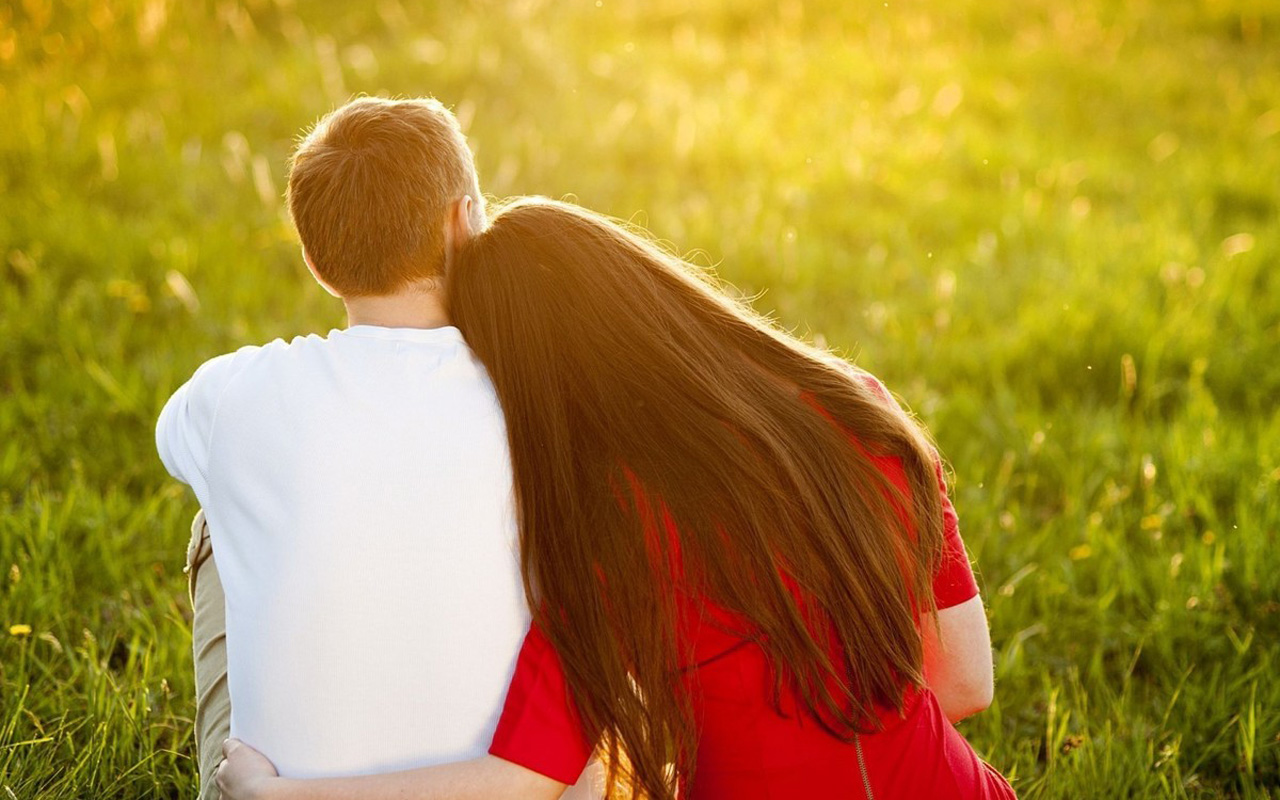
column 747, row 750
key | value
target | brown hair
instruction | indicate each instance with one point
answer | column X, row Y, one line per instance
column 370, row 188
column 634, row 388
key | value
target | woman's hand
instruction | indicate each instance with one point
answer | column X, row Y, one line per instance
column 244, row 773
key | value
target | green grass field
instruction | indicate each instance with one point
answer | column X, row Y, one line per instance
column 1050, row 227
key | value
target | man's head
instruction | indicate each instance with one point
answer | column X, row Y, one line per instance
column 381, row 191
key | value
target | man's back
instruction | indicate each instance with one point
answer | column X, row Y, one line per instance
column 358, row 491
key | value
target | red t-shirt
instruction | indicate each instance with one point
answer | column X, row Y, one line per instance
column 749, row 748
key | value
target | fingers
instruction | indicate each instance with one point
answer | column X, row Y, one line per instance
column 229, row 746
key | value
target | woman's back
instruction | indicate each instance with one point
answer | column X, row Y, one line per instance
column 751, row 750
column 752, row 746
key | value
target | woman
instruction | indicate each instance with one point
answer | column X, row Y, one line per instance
column 747, row 580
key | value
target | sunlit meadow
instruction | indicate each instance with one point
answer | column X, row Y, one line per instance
column 1050, row 227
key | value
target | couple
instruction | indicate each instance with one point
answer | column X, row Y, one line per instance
column 626, row 518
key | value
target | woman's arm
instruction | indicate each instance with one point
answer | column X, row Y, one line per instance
column 957, row 658
column 539, row 727
column 247, row 775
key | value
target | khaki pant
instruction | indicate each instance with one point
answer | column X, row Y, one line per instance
column 209, row 647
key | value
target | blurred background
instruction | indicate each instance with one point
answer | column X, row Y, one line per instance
column 1050, row 227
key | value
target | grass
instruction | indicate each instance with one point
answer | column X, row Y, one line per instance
column 1051, row 227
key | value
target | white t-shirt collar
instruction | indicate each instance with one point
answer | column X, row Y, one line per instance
column 445, row 333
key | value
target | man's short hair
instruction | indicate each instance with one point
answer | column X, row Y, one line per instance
column 370, row 188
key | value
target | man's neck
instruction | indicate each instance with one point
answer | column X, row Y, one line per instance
column 413, row 307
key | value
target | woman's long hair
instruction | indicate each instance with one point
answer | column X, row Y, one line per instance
column 669, row 442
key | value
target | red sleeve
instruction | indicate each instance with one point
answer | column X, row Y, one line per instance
column 540, row 728
column 954, row 582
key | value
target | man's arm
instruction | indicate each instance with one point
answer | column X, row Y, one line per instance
column 248, row 775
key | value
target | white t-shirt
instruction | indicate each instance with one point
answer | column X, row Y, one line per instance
column 359, row 498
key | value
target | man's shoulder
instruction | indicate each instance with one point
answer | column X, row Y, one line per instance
column 273, row 351
column 215, row 375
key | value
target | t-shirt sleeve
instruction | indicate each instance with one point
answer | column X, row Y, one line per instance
column 186, row 423
column 954, row 582
column 540, row 728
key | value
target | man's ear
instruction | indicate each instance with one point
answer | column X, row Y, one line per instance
column 311, row 267
column 460, row 223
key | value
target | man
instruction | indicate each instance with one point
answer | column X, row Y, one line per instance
column 357, row 486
